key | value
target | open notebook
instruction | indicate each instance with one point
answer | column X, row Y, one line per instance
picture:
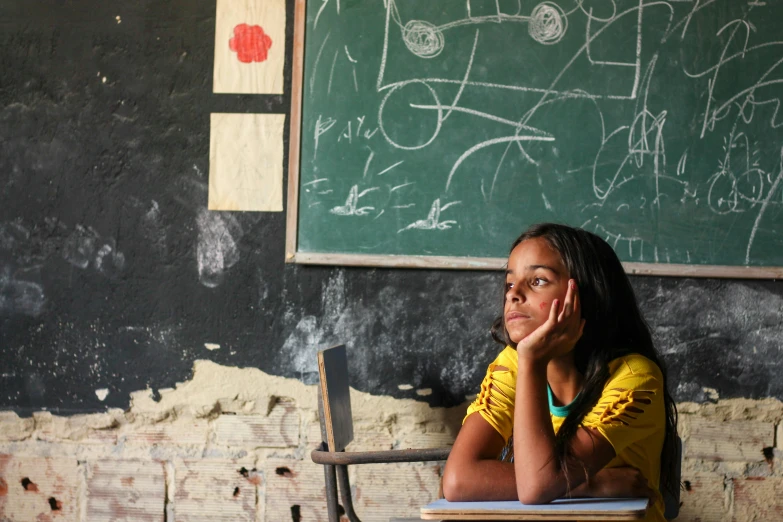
column 561, row 509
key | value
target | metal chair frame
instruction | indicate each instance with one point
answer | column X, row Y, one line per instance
column 336, row 463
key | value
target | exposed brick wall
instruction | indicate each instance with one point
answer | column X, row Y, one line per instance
column 729, row 466
column 233, row 444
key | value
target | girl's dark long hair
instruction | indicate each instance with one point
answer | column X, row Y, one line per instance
column 614, row 326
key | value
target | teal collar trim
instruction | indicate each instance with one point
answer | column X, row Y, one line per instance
column 559, row 411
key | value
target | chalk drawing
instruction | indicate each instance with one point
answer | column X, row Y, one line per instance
column 320, row 128
column 12, row 234
column 548, row 23
column 433, row 221
column 433, row 80
column 216, row 249
column 85, row 247
column 79, row 248
column 107, row 257
column 19, row 296
column 310, row 335
column 351, row 207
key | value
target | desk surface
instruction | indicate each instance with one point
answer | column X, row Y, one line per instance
column 561, row 509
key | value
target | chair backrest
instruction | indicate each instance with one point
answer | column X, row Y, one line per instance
column 336, row 419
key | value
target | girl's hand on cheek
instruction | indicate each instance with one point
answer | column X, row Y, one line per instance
column 559, row 333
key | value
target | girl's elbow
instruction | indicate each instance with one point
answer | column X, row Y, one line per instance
column 532, row 492
column 459, row 484
column 453, row 486
column 530, row 496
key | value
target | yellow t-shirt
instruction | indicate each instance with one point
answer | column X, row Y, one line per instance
column 630, row 414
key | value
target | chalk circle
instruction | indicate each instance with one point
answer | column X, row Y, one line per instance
column 547, row 24
column 411, row 96
column 422, row 38
column 737, row 193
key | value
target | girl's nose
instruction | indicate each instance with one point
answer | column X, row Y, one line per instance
column 514, row 295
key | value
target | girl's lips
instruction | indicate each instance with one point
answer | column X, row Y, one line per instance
column 515, row 316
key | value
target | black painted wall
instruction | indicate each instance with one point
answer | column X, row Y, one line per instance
column 104, row 149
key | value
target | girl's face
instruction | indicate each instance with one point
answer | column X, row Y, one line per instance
column 535, row 277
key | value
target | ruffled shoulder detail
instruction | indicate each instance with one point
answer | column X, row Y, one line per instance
column 623, row 406
column 495, row 400
column 631, row 407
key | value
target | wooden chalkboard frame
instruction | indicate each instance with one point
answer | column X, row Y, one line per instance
column 437, row 262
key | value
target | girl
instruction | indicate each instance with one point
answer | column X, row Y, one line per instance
column 580, row 385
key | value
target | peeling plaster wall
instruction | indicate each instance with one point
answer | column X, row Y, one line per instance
column 231, row 443
column 234, row 444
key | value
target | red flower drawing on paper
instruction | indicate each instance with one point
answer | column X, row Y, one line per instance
column 250, row 42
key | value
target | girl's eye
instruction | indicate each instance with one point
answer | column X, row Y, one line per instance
column 538, row 281
column 509, row 285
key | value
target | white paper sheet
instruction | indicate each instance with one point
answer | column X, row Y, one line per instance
column 246, row 162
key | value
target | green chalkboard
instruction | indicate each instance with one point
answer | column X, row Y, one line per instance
column 445, row 128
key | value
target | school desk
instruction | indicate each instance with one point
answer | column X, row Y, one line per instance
column 561, row 509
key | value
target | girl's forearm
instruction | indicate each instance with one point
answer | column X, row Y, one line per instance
column 538, row 477
column 483, row 480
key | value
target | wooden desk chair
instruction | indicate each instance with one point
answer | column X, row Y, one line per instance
column 334, row 406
